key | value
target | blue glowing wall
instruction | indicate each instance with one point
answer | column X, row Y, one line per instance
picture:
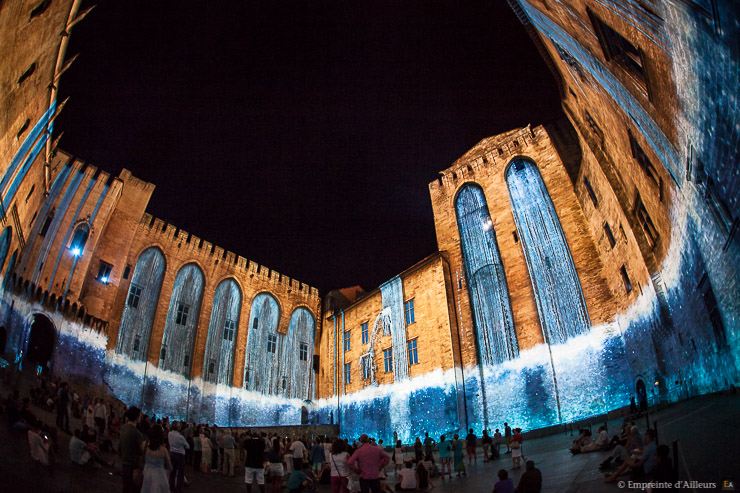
column 182, row 321
column 296, row 356
column 218, row 364
column 261, row 363
column 141, row 304
column 4, row 246
column 489, row 294
column 392, row 296
column 557, row 290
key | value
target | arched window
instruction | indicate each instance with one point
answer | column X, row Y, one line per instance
column 141, row 305
column 557, row 290
column 489, row 294
column 227, row 303
column 79, row 239
column 182, row 320
column 295, row 363
column 262, row 364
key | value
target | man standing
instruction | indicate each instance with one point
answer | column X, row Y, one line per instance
column 63, row 408
column 507, row 437
column 178, row 446
column 229, row 456
column 471, row 441
column 368, row 460
column 298, row 449
column 428, row 444
column 254, row 465
column 130, row 448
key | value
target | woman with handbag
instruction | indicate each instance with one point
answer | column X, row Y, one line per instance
column 340, row 477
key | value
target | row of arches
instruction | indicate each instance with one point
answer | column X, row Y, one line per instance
column 275, row 363
column 557, row 289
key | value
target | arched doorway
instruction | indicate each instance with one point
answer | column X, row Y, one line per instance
column 41, row 342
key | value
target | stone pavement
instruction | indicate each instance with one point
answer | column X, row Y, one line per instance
column 706, row 428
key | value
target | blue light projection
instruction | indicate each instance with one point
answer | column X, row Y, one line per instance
column 218, row 364
column 392, row 296
column 296, row 356
column 261, row 362
column 182, row 321
column 557, row 290
column 4, row 246
column 141, row 305
column 489, row 294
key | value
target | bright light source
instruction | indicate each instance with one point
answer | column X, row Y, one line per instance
column 487, row 224
column 104, row 279
column 76, row 251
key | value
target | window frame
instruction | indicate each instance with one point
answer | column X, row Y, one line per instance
column 133, row 299
column 272, row 343
column 388, row 360
column 408, row 311
column 413, row 351
column 365, row 332
column 181, row 313
column 348, row 373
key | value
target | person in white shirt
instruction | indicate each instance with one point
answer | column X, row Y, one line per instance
column 298, row 450
column 407, row 478
column 338, row 462
column 39, row 446
column 178, row 445
column 101, row 416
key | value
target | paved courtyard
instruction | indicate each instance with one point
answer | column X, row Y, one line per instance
column 705, row 427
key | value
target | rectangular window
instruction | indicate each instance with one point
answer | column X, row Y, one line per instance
column 408, row 307
column 710, row 302
column 347, row 373
column 137, row 340
column 622, row 52
column 246, row 376
column 126, row 271
column 229, row 329
column 625, row 279
column 609, row 235
column 388, row 359
column 365, row 336
column 104, row 272
column 346, row 340
column 365, row 368
column 647, row 224
column 186, row 360
column 271, row 343
column 134, row 294
column 182, row 314
column 303, row 351
column 590, row 191
column 255, row 322
column 413, row 356
column 45, row 226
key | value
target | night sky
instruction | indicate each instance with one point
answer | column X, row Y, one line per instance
column 300, row 135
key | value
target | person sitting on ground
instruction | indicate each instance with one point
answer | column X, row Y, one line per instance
column 623, row 435
column 531, row 480
column 584, row 437
column 39, row 445
column 622, row 452
column 430, row 466
column 408, row 479
column 643, row 464
column 300, row 479
column 83, row 454
column 600, row 443
column 664, row 472
column 504, row 483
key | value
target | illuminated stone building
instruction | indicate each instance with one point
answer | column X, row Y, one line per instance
column 579, row 263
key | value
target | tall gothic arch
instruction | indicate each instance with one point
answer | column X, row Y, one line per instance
column 263, row 343
column 296, row 355
column 218, row 364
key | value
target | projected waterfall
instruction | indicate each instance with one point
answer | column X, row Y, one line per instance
column 557, row 290
column 296, row 355
column 218, row 364
column 489, row 295
column 176, row 354
column 392, row 294
column 261, row 365
column 141, row 304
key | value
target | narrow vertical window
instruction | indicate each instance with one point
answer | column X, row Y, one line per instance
column 365, row 336
column 303, row 351
column 647, row 224
column 609, row 235
column 413, row 356
column 45, row 226
column 590, row 190
column 211, row 367
column 255, row 323
column 388, row 360
column 126, row 271
column 408, row 308
column 104, row 271
column 136, row 344
column 347, row 344
column 625, row 279
column 271, row 343
column 348, row 373
column 182, row 314
column 134, row 294
column 186, row 360
column 229, row 329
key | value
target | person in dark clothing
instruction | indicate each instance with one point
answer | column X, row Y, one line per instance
column 664, row 472
column 254, row 465
column 531, row 480
column 63, row 408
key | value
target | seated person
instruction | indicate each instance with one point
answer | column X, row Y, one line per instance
column 299, row 479
column 407, row 478
column 642, row 463
column 504, row 483
column 600, row 443
column 82, row 453
column 664, row 472
column 423, row 477
column 622, row 452
column 584, row 438
column 39, row 445
column 430, row 466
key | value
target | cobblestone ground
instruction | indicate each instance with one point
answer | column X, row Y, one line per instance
column 705, row 427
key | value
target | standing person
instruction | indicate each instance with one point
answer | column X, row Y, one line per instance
column 275, row 467
column 418, row 453
column 507, row 437
column 205, row 452
column 457, row 448
column 531, row 480
column 486, row 441
column 298, row 449
column 288, row 456
column 398, row 456
column 317, row 457
column 471, row 441
column 339, row 471
column 188, row 433
column 504, row 483
column 156, row 463
column 428, row 444
column 178, row 446
column 63, row 408
column 214, row 448
column 197, row 449
column 515, row 445
column 254, row 465
column 101, row 416
column 445, row 456
column 130, row 440
column 497, row 439
column 368, row 460
column 229, row 453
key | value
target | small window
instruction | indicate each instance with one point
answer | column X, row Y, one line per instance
column 595, row 128
column 28, row 73
column 163, row 353
column 408, row 308
column 590, row 191
column 413, row 355
column 348, row 373
column 284, row 383
column 229, row 329
column 303, row 351
column 126, row 271
column 647, row 224
column 347, row 344
column 30, row 192
column 104, row 272
column 365, row 336
column 136, row 344
column 255, row 322
column 246, row 376
column 388, row 360
column 40, row 8
column 23, row 128
column 516, row 236
column 45, row 226
column 182, row 314
column 609, row 235
column 134, row 294
column 715, row 317
column 211, row 367
column 625, row 279
column 271, row 343
column 186, row 360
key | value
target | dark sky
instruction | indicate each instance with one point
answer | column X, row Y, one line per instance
column 301, row 135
